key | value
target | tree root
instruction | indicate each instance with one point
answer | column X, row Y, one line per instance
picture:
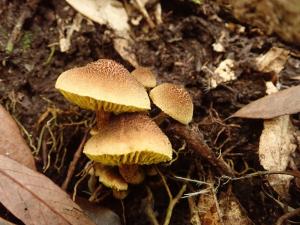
column 195, row 140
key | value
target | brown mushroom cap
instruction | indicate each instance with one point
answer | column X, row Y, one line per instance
column 132, row 174
column 110, row 177
column 145, row 76
column 129, row 139
column 120, row 194
column 103, row 84
column 174, row 101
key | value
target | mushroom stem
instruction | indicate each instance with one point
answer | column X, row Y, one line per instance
column 132, row 174
column 102, row 118
column 158, row 119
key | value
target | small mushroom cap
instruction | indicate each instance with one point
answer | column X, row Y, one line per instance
column 132, row 174
column 145, row 76
column 110, row 177
column 174, row 101
column 120, row 194
column 103, row 84
column 129, row 139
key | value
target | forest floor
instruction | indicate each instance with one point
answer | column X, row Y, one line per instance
column 180, row 50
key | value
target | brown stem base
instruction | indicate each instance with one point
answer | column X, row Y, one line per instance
column 102, row 118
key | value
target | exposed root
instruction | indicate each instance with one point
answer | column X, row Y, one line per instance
column 149, row 207
column 287, row 216
column 195, row 140
column 177, row 153
column 172, row 200
column 74, row 162
column 84, row 174
column 123, row 212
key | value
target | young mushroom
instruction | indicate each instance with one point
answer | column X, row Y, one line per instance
column 145, row 76
column 174, row 101
column 130, row 139
column 109, row 177
column 132, row 174
column 104, row 86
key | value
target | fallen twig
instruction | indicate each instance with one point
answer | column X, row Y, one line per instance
column 74, row 162
column 195, row 140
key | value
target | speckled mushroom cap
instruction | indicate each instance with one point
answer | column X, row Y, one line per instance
column 129, row 139
column 110, row 177
column 103, row 84
column 174, row 101
column 145, row 76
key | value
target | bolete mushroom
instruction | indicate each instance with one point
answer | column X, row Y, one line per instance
column 130, row 139
column 174, row 101
column 104, row 86
column 145, row 76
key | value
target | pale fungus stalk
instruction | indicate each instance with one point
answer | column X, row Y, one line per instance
column 102, row 118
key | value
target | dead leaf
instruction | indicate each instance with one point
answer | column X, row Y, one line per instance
column 34, row 198
column 66, row 32
column 141, row 6
column 277, row 143
column 98, row 214
column 113, row 14
column 209, row 212
column 124, row 47
column 273, row 61
column 232, row 212
column 12, row 143
column 284, row 102
column 5, row 222
column 224, row 73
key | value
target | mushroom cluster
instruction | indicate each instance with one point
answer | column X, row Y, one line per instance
column 128, row 139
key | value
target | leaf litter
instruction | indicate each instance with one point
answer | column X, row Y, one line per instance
column 170, row 55
column 34, row 198
column 276, row 146
column 113, row 14
column 12, row 143
column 284, row 102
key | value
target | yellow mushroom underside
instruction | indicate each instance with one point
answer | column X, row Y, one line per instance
column 86, row 102
column 136, row 157
column 129, row 139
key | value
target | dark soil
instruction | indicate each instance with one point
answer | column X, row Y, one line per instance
column 177, row 50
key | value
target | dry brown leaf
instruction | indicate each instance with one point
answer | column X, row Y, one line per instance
column 273, row 61
column 113, row 14
column 66, row 32
column 12, row 143
column 232, row 212
column 5, row 222
column 284, row 102
column 276, row 145
column 223, row 73
column 209, row 212
column 98, row 214
column 34, row 198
